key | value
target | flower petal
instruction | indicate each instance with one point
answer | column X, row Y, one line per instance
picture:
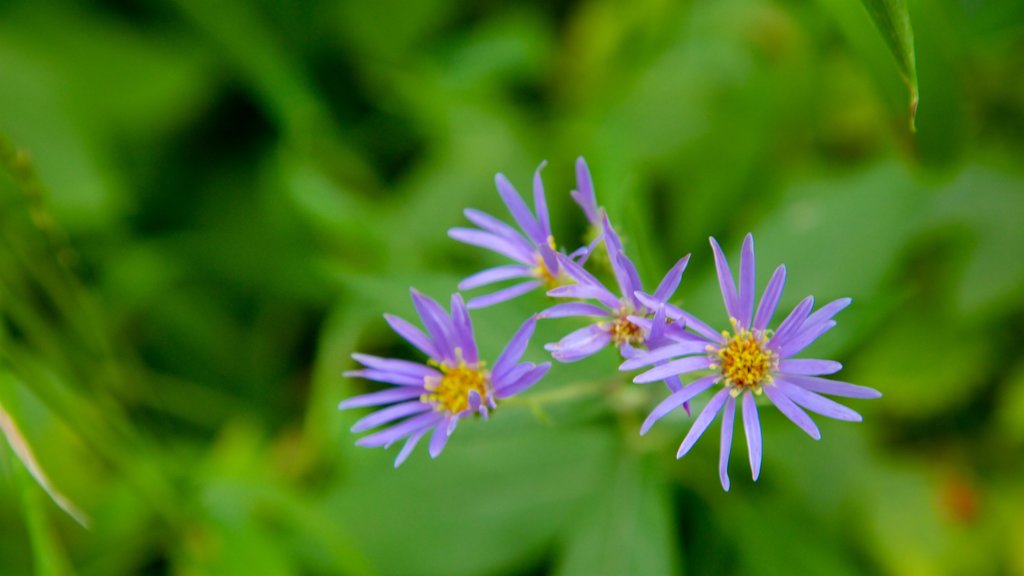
column 747, row 282
column 584, row 292
column 500, row 229
column 752, row 428
column 584, row 193
column 674, row 368
column 438, row 439
column 806, row 367
column 388, row 396
column 770, row 298
column 463, row 330
column 437, row 322
column 514, row 349
column 389, row 436
column 580, row 344
column 677, row 313
column 518, row 209
column 410, row 443
column 792, row 411
column 792, row 323
column 816, row 403
column 395, row 365
column 804, row 338
column 725, row 281
column 491, row 242
column 540, row 205
column 569, row 309
column 390, row 414
column 664, row 353
column 412, row 335
column 704, row 419
column 833, row 387
column 385, row 376
column 502, row 295
column 677, row 399
column 497, row 274
column 529, row 379
column 728, row 415
column 670, row 282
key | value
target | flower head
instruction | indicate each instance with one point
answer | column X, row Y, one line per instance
column 452, row 384
column 533, row 249
column 621, row 320
column 749, row 360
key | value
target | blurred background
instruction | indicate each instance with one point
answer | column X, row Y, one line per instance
column 205, row 207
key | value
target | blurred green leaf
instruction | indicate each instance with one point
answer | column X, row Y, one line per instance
column 626, row 530
column 893, row 21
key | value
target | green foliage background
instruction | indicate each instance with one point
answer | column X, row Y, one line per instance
column 205, row 207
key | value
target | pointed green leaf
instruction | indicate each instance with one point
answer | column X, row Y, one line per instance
column 893, row 21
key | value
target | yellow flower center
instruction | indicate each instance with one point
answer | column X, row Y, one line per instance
column 745, row 361
column 623, row 331
column 544, row 274
column 450, row 392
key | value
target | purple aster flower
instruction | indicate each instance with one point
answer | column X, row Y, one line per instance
column 622, row 320
column 454, row 383
column 533, row 249
column 748, row 361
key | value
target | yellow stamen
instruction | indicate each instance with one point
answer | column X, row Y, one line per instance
column 542, row 273
column 745, row 361
column 450, row 392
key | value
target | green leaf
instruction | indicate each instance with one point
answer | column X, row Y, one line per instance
column 893, row 21
column 629, row 530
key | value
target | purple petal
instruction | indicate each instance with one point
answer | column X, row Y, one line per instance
column 390, row 414
column 391, row 435
column 792, row 411
column 752, row 428
column 825, row 386
column 704, row 419
column 677, row 399
column 518, row 209
column 586, row 293
column 540, row 204
column 792, row 323
column 674, row 368
column 804, row 338
column 728, row 415
column 828, row 311
column 816, row 403
column 770, row 299
column 529, row 379
column 498, row 274
column 550, row 259
column 412, row 335
column 388, row 396
column 574, row 309
column 747, row 282
column 500, row 229
column 514, row 349
column 395, row 365
column 463, row 330
column 410, row 443
column 664, row 353
column 438, row 439
column 584, row 195
column 385, row 376
column 491, row 242
column 670, row 282
column 580, row 255
column 437, row 322
column 725, row 281
column 625, row 272
column 579, row 344
column 502, row 295
column 656, row 331
column 806, row 367
column 677, row 313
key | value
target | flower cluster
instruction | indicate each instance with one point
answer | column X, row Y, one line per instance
column 737, row 365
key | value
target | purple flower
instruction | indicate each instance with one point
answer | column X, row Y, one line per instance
column 533, row 249
column 750, row 360
column 453, row 384
column 622, row 320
